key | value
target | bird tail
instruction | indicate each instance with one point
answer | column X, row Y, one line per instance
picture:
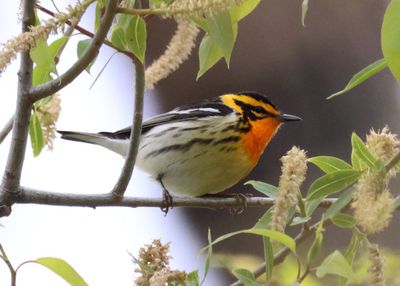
column 103, row 139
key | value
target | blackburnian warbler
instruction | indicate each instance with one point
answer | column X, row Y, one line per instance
column 200, row 149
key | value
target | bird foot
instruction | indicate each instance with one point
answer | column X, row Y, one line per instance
column 168, row 202
column 242, row 200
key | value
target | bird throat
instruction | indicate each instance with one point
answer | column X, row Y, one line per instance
column 255, row 141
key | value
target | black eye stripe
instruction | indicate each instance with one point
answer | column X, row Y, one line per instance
column 259, row 109
column 253, row 112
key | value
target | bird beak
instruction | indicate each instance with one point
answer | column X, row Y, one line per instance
column 287, row 117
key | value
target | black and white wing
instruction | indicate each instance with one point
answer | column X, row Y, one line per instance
column 212, row 108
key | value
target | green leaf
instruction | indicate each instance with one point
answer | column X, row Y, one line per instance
column 357, row 163
column 118, row 38
column 335, row 264
column 264, row 221
column 332, row 183
column 192, row 279
column 222, row 30
column 315, row 247
column 362, row 76
column 36, row 135
column 343, row 220
column 135, row 36
column 244, row 9
column 81, row 48
column 299, row 220
column 343, row 200
column 329, row 164
column 269, row 257
column 62, row 269
column 42, row 56
column 390, row 37
column 209, row 254
column 351, row 252
column 40, row 75
column 55, row 46
column 209, row 54
column 246, row 277
column 264, row 188
column 363, row 153
column 312, row 205
column 275, row 235
column 304, row 9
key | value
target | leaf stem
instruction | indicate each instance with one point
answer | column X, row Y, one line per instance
column 13, row 273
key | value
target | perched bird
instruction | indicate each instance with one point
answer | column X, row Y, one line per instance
column 200, row 149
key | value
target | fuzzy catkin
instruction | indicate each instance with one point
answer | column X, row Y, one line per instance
column 27, row 40
column 178, row 51
column 294, row 168
column 198, row 8
column 372, row 204
column 48, row 111
column 154, row 267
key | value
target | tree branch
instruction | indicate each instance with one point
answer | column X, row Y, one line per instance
column 32, row 196
column 16, row 154
column 6, row 129
column 51, row 87
column 136, row 129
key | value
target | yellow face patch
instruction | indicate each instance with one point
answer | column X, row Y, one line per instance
column 229, row 99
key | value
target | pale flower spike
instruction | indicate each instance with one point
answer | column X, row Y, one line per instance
column 372, row 202
column 153, row 262
column 27, row 40
column 198, row 8
column 178, row 51
column 376, row 266
column 294, row 168
column 383, row 145
column 48, row 111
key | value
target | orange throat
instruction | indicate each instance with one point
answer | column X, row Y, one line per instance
column 255, row 141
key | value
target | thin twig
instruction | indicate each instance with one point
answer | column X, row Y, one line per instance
column 136, row 129
column 51, row 87
column 12, row 173
column 9, row 265
column 6, row 129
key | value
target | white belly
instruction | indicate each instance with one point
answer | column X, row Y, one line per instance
column 192, row 162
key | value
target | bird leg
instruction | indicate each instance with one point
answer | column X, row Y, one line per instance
column 168, row 201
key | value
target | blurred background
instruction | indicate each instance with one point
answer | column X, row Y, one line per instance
column 296, row 66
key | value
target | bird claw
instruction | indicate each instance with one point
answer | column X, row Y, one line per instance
column 168, row 202
column 242, row 199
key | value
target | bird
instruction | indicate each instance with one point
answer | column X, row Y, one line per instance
column 202, row 149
